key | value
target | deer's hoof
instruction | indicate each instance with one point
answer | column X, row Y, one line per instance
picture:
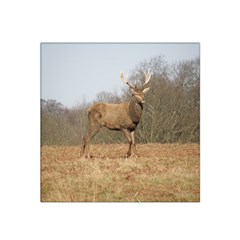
column 133, row 155
column 86, row 156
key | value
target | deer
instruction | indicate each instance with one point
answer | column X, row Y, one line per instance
column 123, row 117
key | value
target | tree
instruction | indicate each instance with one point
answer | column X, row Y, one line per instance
column 172, row 108
column 171, row 111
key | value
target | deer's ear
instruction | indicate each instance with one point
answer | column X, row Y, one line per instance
column 145, row 90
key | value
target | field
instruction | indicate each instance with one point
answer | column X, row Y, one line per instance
column 162, row 173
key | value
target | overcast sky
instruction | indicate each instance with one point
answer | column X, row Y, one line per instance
column 73, row 72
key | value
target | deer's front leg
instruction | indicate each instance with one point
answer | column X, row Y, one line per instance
column 127, row 134
column 134, row 143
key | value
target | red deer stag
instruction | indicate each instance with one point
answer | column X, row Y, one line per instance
column 122, row 117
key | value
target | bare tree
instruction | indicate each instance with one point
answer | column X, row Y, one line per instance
column 122, row 117
column 171, row 113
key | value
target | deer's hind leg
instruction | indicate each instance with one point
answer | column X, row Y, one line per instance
column 86, row 139
column 93, row 129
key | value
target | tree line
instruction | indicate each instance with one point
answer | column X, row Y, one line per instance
column 171, row 112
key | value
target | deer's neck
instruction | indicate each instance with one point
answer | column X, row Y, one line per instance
column 135, row 110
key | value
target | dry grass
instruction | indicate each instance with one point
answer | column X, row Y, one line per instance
column 162, row 173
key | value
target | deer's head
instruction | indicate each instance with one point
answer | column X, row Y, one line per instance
column 138, row 93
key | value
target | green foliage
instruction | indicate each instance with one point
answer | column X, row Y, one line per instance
column 171, row 112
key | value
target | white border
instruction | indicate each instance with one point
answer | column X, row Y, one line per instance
column 25, row 24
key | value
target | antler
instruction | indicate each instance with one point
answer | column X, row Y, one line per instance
column 126, row 81
column 147, row 77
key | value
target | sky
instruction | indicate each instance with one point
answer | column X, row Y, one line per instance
column 76, row 72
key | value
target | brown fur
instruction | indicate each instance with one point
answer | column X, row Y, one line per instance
column 122, row 117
